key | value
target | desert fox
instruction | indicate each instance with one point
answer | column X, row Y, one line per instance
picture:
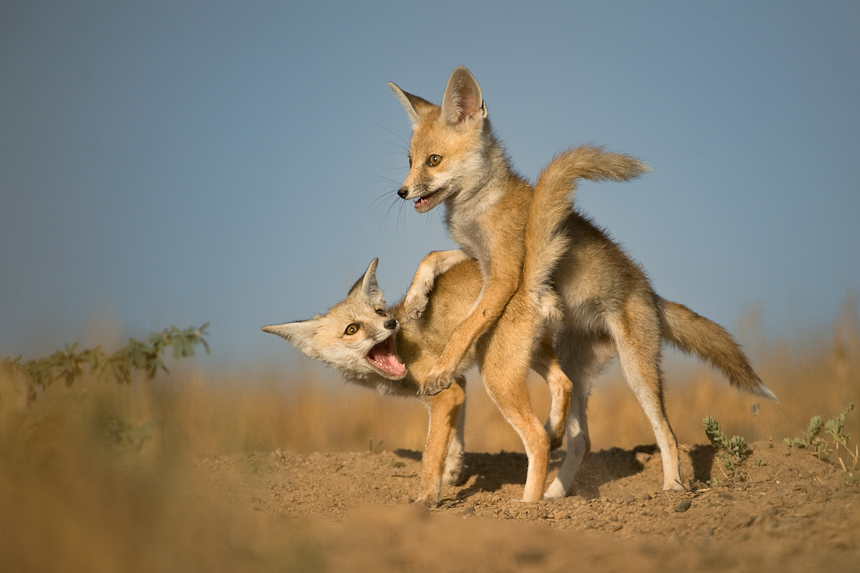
column 393, row 349
column 608, row 305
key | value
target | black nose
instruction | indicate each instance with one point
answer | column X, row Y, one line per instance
column 403, row 192
column 390, row 324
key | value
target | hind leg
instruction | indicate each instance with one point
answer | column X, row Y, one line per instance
column 638, row 338
column 582, row 357
column 545, row 363
column 505, row 356
column 510, row 394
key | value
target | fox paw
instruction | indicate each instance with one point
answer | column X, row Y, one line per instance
column 424, row 503
column 555, row 490
column 454, row 475
column 454, row 478
column 431, row 388
column 414, row 305
column 556, row 435
column 410, row 314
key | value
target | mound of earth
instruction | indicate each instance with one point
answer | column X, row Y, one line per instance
column 786, row 510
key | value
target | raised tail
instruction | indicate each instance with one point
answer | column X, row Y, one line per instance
column 695, row 334
column 552, row 202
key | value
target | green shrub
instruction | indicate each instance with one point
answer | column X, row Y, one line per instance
column 137, row 355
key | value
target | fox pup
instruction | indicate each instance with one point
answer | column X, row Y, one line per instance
column 608, row 305
column 393, row 349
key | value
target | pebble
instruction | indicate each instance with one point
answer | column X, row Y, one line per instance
column 683, row 506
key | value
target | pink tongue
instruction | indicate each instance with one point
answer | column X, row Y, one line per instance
column 421, row 201
column 386, row 360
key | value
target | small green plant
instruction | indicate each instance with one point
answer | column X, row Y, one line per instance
column 811, row 439
column 137, row 355
column 732, row 451
column 813, row 442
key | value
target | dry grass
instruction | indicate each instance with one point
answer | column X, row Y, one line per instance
column 313, row 410
column 90, row 473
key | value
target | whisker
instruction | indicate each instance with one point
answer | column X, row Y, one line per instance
column 402, row 169
column 394, row 133
column 395, row 144
column 383, row 178
column 376, row 202
column 388, row 213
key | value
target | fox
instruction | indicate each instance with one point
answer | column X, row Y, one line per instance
column 609, row 307
column 393, row 349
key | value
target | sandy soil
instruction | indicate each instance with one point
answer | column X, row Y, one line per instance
column 788, row 511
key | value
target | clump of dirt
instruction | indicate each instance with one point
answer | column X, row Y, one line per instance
column 784, row 510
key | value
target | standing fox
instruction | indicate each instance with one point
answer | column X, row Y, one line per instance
column 394, row 349
column 608, row 305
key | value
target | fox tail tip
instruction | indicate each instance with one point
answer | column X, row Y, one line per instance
column 763, row 391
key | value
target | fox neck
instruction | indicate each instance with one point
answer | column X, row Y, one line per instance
column 494, row 169
column 463, row 209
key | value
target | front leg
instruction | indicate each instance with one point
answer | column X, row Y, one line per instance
column 431, row 266
column 445, row 412
column 498, row 290
column 501, row 268
column 453, row 473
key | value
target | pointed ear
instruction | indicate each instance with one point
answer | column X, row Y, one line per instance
column 462, row 98
column 367, row 286
column 416, row 107
column 300, row 334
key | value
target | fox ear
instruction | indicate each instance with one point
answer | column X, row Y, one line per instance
column 301, row 334
column 368, row 287
column 462, row 98
column 416, row 107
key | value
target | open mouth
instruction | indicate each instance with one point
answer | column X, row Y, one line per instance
column 383, row 357
column 426, row 202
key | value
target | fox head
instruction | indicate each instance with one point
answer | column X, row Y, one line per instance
column 355, row 337
column 451, row 144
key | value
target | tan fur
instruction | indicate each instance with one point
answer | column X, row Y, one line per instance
column 608, row 306
column 513, row 344
column 487, row 203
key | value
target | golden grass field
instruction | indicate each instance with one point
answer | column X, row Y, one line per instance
column 313, row 410
column 89, row 473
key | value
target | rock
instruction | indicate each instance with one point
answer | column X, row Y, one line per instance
column 683, row 506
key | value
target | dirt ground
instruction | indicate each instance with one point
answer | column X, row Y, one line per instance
column 788, row 511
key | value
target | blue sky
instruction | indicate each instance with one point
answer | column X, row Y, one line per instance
column 181, row 162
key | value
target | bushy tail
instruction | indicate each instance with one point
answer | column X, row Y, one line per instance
column 696, row 334
column 552, row 202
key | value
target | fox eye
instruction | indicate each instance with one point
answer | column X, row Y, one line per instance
column 410, row 160
column 381, row 312
column 351, row 329
column 434, row 160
